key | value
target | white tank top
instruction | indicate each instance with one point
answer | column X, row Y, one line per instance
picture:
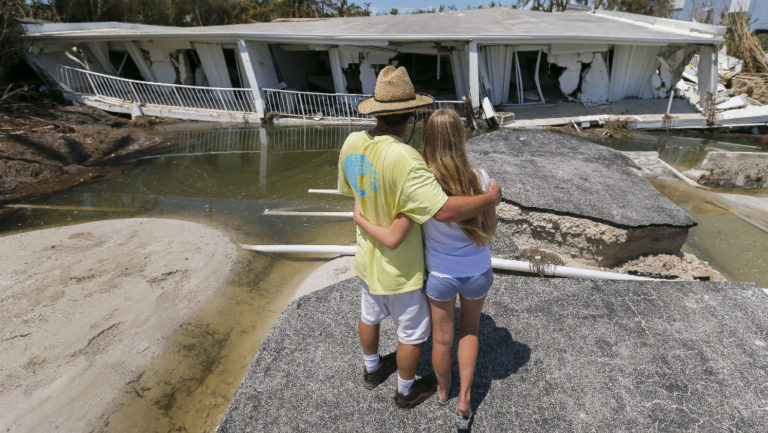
column 450, row 252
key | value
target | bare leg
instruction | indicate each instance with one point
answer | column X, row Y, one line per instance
column 469, row 323
column 442, row 342
column 408, row 359
column 369, row 337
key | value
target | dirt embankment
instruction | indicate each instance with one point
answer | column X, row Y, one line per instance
column 46, row 147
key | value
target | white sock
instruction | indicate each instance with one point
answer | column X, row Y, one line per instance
column 371, row 362
column 404, row 386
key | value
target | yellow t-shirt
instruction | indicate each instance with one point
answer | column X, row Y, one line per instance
column 388, row 177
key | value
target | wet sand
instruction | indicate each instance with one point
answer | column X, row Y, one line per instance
column 189, row 386
column 85, row 309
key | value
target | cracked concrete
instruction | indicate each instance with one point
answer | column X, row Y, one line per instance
column 557, row 173
column 576, row 199
column 555, row 355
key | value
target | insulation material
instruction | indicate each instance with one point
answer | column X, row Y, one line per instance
column 339, row 81
column 633, row 67
column 595, row 82
column 569, row 78
column 366, row 57
column 213, row 62
column 367, row 73
column 657, row 83
column 460, row 67
column 496, row 72
column 137, row 54
column 348, row 55
column 101, row 54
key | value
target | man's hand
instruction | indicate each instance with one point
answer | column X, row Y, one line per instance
column 494, row 188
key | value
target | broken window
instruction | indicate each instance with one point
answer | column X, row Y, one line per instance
column 352, row 76
column 232, row 68
column 526, row 85
column 430, row 73
column 124, row 65
column 302, row 68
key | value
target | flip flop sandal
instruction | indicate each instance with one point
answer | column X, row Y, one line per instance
column 441, row 403
column 463, row 419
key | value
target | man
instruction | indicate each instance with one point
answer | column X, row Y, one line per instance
column 388, row 177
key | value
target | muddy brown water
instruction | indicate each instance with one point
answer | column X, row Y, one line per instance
column 227, row 177
column 730, row 244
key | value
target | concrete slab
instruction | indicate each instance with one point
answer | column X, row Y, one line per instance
column 638, row 112
column 554, row 172
column 556, row 355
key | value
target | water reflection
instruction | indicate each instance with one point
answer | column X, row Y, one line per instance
column 729, row 234
column 215, row 172
column 229, row 176
column 225, row 177
column 682, row 152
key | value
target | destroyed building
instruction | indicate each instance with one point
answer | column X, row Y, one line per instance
column 318, row 69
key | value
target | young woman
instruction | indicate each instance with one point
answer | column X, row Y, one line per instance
column 457, row 257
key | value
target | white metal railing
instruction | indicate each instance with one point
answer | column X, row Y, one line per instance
column 170, row 95
column 322, row 106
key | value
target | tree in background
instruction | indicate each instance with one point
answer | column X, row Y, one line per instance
column 158, row 12
column 657, row 8
column 196, row 12
column 549, row 5
column 10, row 10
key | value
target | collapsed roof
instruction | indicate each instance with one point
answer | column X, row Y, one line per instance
column 480, row 25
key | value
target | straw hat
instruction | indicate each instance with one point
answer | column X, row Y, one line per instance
column 394, row 94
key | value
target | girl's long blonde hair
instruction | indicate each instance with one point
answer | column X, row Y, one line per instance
column 445, row 153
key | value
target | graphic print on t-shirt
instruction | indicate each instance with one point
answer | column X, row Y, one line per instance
column 359, row 171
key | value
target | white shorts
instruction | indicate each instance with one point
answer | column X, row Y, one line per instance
column 409, row 311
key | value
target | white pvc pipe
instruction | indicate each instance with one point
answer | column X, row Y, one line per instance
column 301, row 213
column 323, row 191
column 510, row 265
column 561, row 271
column 681, row 176
column 302, row 249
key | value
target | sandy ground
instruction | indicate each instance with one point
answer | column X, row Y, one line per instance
column 338, row 269
column 85, row 308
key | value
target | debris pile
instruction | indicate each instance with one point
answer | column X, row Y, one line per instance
column 741, row 44
column 46, row 147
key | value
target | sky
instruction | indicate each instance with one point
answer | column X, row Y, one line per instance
column 404, row 6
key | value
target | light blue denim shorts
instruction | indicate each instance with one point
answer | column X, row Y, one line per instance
column 445, row 288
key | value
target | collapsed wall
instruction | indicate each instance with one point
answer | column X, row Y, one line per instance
column 575, row 199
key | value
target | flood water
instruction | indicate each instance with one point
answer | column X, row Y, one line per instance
column 732, row 245
column 227, row 177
